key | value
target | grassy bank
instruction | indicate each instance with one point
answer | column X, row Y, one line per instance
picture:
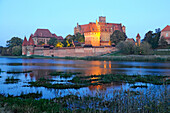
column 120, row 57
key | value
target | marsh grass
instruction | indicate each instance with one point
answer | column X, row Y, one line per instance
column 17, row 72
column 11, row 80
column 63, row 74
column 122, row 101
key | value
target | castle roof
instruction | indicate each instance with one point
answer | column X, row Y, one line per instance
column 42, row 33
column 130, row 39
column 167, row 28
column 58, row 37
column 30, row 42
column 91, row 28
column 138, row 35
column 103, row 26
column 25, row 42
column 45, row 33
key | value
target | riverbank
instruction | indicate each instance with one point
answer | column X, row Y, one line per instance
column 144, row 58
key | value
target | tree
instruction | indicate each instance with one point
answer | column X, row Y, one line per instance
column 17, row 51
column 163, row 42
column 117, row 36
column 152, row 38
column 68, row 44
column 126, row 47
column 59, row 44
column 14, row 41
column 145, row 48
column 53, row 41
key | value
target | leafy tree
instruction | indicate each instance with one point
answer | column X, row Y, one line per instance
column 163, row 42
column 68, row 44
column 1, row 49
column 59, row 44
column 152, row 38
column 17, row 51
column 145, row 48
column 117, row 36
column 14, row 41
column 126, row 47
column 53, row 41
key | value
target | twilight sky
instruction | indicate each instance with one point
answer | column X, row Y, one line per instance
column 22, row 17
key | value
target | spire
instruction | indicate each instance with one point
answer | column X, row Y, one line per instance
column 138, row 35
column 25, row 42
column 30, row 42
column 96, row 22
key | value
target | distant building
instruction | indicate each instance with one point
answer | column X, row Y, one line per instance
column 44, row 35
column 98, row 34
column 138, row 40
column 130, row 39
column 166, row 33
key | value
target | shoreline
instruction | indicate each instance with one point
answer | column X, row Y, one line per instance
column 141, row 58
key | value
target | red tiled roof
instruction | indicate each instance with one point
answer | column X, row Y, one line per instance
column 167, row 28
column 130, row 39
column 58, row 37
column 138, row 35
column 30, row 42
column 25, row 42
column 91, row 28
column 42, row 33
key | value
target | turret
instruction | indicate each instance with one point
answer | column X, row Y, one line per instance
column 24, row 46
column 138, row 39
column 102, row 19
column 124, row 29
column 30, row 47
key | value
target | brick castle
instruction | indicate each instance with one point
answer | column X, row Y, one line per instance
column 98, row 34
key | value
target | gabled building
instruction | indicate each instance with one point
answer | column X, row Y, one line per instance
column 165, row 33
column 105, row 29
column 44, row 35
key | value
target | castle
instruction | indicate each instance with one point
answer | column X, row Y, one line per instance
column 98, row 34
column 32, row 47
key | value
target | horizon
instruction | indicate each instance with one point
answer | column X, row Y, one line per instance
column 22, row 18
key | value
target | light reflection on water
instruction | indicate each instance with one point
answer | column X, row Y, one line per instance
column 42, row 67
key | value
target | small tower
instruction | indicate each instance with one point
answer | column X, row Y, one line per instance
column 24, row 46
column 102, row 19
column 138, row 39
column 30, row 47
column 124, row 29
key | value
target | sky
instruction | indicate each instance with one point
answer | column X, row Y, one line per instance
column 20, row 18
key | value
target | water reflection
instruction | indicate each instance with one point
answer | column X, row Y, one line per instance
column 41, row 68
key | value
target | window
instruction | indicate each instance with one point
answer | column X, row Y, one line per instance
column 166, row 34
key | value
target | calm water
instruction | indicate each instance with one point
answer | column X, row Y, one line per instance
column 42, row 67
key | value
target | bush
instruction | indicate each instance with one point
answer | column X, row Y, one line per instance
column 128, row 47
column 16, row 50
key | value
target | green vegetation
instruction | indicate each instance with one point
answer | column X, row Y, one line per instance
column 11, row 80
column 117, row 36
column 14, row 47
column 108, row 78
column 64, row 74
column 17, row 72
column 128, row 47
column 121, row 102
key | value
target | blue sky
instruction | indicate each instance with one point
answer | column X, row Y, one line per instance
column 22, row 17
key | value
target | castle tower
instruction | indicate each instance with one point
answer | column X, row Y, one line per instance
column 102, row 19
column 24, row 46
column 138, row 39
column 124, row 29
column 30, row 47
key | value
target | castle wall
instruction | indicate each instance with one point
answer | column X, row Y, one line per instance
column 73, row 51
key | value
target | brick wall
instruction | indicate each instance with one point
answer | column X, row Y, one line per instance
column 73, row 52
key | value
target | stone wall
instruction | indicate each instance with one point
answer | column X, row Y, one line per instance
column 73, row 51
